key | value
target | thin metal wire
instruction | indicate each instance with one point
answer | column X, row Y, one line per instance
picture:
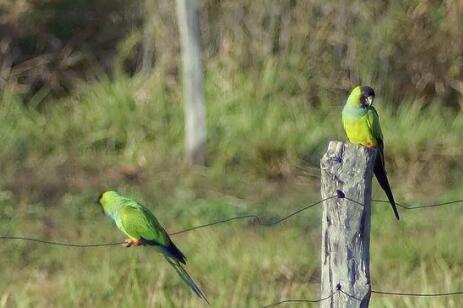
column 215, row 223
column 339, row 289
column 24, row 238
column 414, row 207
column 339, row 194
column 417, row 294
column 299, row 301
column 355, row 201
column 258, row 219
column 348, row 295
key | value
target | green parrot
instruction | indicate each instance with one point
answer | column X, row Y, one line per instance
column 142, row 228
column 361, row 124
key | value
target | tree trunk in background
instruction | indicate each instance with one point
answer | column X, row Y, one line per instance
column 193, row 93
column 148, row 37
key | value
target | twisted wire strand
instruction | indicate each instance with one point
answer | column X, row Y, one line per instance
column 417, row 294
column 340, row 290
column 410, row 207
column 286, row 301
column 57, row 243
column 256, row 217
column 414, row 207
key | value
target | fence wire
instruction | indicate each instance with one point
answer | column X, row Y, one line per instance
column 260, row 221
column 257, row 219
column 339, row 290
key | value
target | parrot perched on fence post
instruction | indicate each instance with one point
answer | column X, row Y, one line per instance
column 142, row 228
column 361, row 124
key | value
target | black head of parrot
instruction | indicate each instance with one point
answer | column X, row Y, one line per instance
column 367, row 96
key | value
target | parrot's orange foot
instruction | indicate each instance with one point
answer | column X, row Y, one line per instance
column 371, row 145
column 137, row 242
column 129, row 243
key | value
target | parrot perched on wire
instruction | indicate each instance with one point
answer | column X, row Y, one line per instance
column 142, row 228
column 361, row 124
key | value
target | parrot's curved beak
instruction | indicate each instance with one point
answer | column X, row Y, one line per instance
column 99, row 198
column 370, row 100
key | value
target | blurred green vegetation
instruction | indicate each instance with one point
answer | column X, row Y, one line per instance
column 407, row 48
column 76, row 118
column 263, row 151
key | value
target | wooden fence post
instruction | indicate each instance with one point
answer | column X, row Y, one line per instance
column 345, row 252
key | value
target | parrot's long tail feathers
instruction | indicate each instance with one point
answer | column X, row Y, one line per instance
column 171, row 250
column 381, row 176
column 175, row 253
column 186, row 277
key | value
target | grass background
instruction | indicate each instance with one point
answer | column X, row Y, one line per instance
column 264, row 146
column 90, row 100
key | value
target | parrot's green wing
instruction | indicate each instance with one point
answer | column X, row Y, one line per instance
column 379, row 168
column 143, row 228
column 139, row 223
column 373, row 122
column 375, row 128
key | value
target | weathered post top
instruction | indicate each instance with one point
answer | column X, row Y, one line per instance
column 346, row 224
